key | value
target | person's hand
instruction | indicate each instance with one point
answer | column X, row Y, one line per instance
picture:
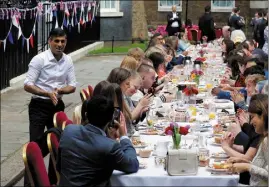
column 122, row 126
column 239, row 167
column 235, row 128
column 144, row 102
column 227, row 140
column 237, row 160
column 237, row 97
column 185, row 53
column 215, row 91
column 113, row 132
column 53, row 97
column 243, row 117
column 225, row 86
column 145, row 109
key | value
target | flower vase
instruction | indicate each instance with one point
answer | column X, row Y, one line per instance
column 197, row 80
column 176, row 141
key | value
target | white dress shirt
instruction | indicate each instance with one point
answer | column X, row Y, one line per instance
column 175, row 23
column 47, row 73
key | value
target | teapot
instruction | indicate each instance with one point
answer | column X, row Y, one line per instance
column 187, row 60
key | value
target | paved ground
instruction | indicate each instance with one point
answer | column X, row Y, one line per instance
column 14, row 107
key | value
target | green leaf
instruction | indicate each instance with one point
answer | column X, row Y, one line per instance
column 178, row 138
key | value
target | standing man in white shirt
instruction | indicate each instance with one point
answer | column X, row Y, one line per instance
column 50, row 75
column 174, row 22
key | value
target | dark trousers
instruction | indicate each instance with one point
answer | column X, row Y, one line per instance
column 172, row 31
column 41, row 112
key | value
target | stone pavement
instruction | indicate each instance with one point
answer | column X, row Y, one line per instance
column 14, row 108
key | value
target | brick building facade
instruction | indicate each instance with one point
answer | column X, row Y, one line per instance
column 136, row 15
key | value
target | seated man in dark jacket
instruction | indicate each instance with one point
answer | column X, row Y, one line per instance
column 87, row 157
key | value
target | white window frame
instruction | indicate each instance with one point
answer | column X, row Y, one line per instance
column 111, row 12
column 169, row 8
column 221, row 9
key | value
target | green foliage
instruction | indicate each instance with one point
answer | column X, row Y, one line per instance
column 120, row 49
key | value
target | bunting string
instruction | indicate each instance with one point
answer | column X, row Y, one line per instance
column 70, row 17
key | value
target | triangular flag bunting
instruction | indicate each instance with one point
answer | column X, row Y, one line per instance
column 66, row 11
column 72, row 21
column 22, row 42
column 51, row 14
column 78, row 28
column 56, row 24
column 34, row 30
column 19, row 33
column 27, row 43
column 67, row 23
column 10, row 38
column 14, row 21
column 5, row 42
column 64, row 22
column 32, row 41
column 90, row 16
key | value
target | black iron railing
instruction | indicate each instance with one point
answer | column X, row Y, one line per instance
column 15, row 58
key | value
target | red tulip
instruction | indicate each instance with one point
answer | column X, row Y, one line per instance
column 183, row 130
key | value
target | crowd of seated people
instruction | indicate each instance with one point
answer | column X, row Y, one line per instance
column 88, row 153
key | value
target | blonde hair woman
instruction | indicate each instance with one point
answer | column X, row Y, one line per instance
column 137, row 53
column 130, row 63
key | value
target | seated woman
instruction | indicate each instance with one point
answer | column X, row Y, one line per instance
column 227, row 46
column 246, row 68
column 158, row 63
column 130, row 63
column 111, row 91
column 258, row 168
column 156, row 39
column 183, row 42
column 251, row 88
column 136, row 53
column 123, row 77
column 138, row 110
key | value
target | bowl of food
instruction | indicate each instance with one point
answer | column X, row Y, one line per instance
column 221, row 165
column 145, row 153
column 217, row 139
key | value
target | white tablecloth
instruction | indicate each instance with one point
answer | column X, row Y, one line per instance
column 156, row 175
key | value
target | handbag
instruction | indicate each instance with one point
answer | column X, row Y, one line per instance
column 182, row 162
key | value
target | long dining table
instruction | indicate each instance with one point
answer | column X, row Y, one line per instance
column 153, row 174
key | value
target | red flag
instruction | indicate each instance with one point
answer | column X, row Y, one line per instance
column 90, row 16
column 32, row 41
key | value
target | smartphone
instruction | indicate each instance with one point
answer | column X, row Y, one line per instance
column 151, row 91
column 116, row 117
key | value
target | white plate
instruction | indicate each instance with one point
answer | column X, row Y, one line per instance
column 216, row 170
column 220, row 156
column 222, row 101
column 142, row 165
column 139, row 146
column 216, row 144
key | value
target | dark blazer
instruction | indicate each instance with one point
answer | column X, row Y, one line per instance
column 87, row 158
column 235, row 22
column 169, row 22
column 206, row 25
